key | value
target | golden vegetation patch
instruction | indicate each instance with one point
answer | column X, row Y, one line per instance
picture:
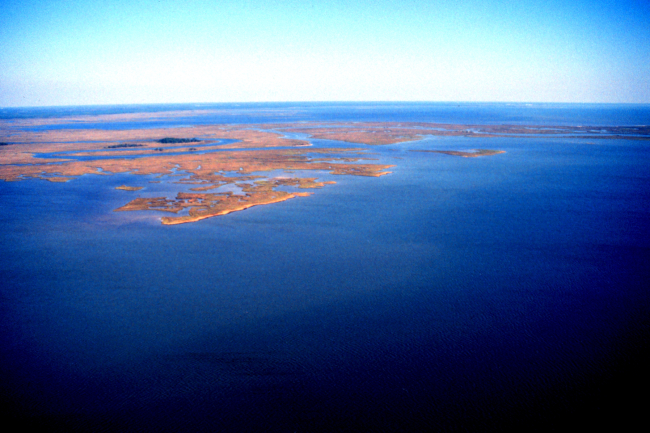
column 207, row 168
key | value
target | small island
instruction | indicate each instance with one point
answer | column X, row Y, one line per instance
column 168, row 140
column 206, row 205
column 129, row 188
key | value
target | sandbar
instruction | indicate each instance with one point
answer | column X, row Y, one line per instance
column 471, row 154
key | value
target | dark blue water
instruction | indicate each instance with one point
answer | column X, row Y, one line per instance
column 463, row 294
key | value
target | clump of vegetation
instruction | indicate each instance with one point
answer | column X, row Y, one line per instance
column 159, row 149
column 192, row 149
column 117, row 146
column 167, row 140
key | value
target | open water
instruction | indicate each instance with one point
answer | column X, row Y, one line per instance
column 459, row 294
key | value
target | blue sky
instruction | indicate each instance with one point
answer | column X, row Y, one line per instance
column 76, row 52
